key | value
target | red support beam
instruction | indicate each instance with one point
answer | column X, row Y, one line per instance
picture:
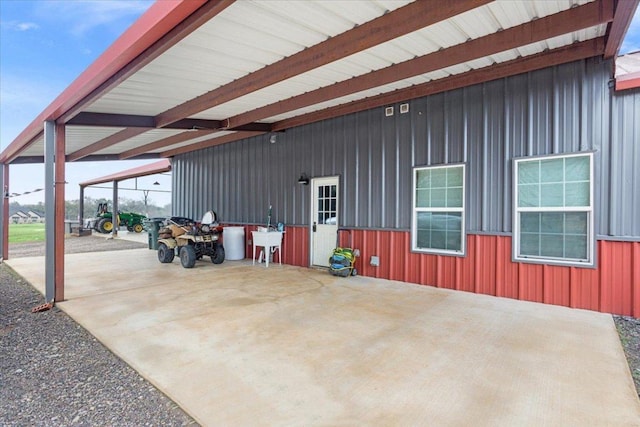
column 5, row 213
column 209, row 10
column 211, row 143
column 166, row 142
column 625, row 9
column 568, row 21
column 114, row 139
column 574, row 52
column 59, row 213
column 394, row 24
column 156, row 22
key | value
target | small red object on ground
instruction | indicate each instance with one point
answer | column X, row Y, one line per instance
column 42, row 307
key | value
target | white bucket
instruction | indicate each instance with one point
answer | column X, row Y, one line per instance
column 233, row 238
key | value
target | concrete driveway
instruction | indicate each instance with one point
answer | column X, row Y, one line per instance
column 242, row 345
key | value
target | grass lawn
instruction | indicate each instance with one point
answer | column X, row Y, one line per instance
column 19, row 233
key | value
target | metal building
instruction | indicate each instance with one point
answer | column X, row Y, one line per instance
column 476, row 145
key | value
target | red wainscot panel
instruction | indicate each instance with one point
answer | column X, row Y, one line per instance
column 466, row 272
column 507, row 279
column 295, row 246
column 556, row 285
column 635, row 279
column 613, row 287
column 530, row 282
column 619, row 276
column 485, row 249
column 585, row 288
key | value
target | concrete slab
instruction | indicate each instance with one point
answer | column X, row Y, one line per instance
column 236, row 344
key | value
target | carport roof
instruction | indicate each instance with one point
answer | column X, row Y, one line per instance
column 192, row 73
column 160, row 166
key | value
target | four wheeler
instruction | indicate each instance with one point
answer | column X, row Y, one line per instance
column 191, row 241
column 103, row 222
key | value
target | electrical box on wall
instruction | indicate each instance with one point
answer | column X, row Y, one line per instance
column 375, row 261
column 388, row 111
column 404, row 108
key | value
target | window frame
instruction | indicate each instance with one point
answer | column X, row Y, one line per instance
column 414, row 211
column 589, row 210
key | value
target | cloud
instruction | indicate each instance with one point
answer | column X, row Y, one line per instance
column 81, row 17
column 21, row 100
column 20, row 26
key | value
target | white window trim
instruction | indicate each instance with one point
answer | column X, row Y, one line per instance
column 414, row 210
column 590, row 261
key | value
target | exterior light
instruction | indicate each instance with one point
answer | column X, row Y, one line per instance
column 304, row 179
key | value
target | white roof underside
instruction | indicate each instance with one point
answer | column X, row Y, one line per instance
column 252, row 34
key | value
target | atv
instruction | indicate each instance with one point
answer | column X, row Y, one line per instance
column 103, row 222
column 191, row 241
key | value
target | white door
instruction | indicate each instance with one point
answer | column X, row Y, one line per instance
column 324, row 219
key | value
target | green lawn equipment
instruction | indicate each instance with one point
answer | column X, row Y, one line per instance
column 103, row 222
column 342, row 260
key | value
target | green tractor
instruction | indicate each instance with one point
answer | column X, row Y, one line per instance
column 103, row 222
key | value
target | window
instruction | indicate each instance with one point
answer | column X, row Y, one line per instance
column 553, row 215
column 327, row 204
column 437, row 225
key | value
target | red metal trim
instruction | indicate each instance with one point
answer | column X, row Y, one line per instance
column 628, row 81
column 159, row 19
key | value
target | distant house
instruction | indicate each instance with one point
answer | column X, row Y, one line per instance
column 35, row 217
column 19, row 217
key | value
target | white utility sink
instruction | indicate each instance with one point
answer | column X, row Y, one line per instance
column 270, row 241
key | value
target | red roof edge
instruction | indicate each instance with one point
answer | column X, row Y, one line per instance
column 144, row 170
column 628, row 81
column 158, row 20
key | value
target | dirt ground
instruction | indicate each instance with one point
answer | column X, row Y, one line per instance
column 628, row 328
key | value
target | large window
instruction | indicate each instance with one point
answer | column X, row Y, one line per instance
column 553, row 215
column 438, row 209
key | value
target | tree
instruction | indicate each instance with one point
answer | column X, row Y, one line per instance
column 71, row 207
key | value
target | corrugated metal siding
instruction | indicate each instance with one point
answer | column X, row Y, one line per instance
column 624, row 215
column 488, row 269
column 556, row 110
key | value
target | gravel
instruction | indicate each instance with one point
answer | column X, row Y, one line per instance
column 629, row 331
column 55, row 373
column 74, row 245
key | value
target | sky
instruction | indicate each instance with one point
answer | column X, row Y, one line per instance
column 44, row 46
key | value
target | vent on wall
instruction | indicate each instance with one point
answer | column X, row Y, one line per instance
column 404, row 108
column 388, row 111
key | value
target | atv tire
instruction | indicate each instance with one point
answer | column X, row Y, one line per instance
column 218, row 257
column 188, row 256
column 165, row 255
